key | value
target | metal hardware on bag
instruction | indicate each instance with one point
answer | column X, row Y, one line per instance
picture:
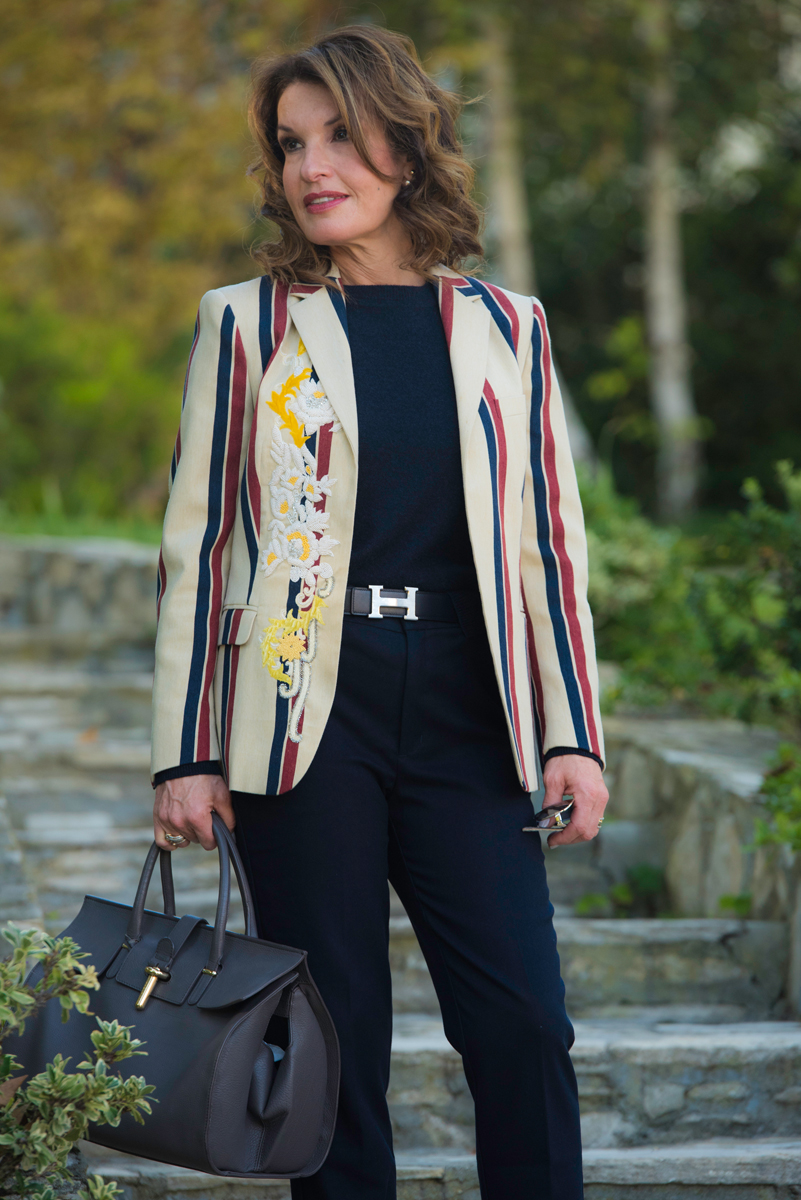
column 380, row 602
column 154, row 974
column 208, row 971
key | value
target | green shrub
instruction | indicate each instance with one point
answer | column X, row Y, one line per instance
column 643, row 893
column 781, row 789
column 736, row 906
column 711, row 623
column 42, row 1118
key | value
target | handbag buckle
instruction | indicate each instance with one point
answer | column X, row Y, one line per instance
column 154, row 974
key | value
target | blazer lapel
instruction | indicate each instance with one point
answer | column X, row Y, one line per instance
column 321, row 321
column 324, row 333
column 467, row 327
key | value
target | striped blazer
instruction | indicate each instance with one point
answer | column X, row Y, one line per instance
column 257, row 534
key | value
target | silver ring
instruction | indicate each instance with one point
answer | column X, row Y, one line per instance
column 176, row 839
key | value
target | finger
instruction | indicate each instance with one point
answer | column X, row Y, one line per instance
column 169, row 822
column 162, row 837
column 584, row 825
column 565, row 837
column 204, row 832
column 554, row 790
column 224, row 807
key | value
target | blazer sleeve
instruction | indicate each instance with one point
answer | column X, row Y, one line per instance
column 554, row 568
column 196, row 544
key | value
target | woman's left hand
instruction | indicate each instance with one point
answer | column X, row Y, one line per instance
column 579, row 777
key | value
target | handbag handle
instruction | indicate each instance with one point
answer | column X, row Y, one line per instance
column 228, row 853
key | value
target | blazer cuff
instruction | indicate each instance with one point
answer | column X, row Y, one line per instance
column 194, row 768
column 559, row 751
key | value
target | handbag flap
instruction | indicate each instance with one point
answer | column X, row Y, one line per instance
column 184, row 972
column 99, row 930
column 249, row 964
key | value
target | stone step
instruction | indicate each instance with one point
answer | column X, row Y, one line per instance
column 39, row 739
column 421, row 1176
column 638, row 1083
column 82, row 714
column 751, row 1169
column 609, row 964
column 72, row 680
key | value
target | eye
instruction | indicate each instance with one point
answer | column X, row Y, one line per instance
column 288, row 144
column 340, row 129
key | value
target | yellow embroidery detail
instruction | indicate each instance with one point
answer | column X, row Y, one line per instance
column 291, row 646
column 278, row 404
column 286, row 640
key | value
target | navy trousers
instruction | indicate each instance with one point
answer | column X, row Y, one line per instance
column 414, row 782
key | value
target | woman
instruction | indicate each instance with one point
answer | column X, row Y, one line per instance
column 373, row 611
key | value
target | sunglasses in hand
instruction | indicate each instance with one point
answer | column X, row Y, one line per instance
column 552, row 817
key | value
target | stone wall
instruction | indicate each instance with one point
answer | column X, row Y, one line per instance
column 685, row 797
column 73, row 587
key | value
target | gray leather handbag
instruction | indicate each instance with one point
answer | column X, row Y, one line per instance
column 241, row 1048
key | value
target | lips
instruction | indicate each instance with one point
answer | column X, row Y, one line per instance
column 321, row 201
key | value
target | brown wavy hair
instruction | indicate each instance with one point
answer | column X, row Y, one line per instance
column 372, row 73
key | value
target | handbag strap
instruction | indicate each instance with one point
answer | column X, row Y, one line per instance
column 134, row 931
column 228, row 853
column 222, row 830
column 167, row 885
column 170, row 947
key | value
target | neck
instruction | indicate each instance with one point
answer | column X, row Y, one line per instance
column 370, row 264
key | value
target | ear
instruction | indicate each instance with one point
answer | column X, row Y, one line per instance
column 408, row 172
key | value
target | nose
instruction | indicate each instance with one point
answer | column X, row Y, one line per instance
column 315, row 164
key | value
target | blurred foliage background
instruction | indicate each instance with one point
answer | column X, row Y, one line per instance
column 640, row 166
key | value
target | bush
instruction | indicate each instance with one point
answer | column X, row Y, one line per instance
column 781, row 789
column 712, row 623
column 42, row 1118
column 643, row 893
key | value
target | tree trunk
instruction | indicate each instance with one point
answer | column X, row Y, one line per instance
column 679, row 457
column 506, row 190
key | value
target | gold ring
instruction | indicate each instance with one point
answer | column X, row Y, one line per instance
column 176, row 839
column 600, row 823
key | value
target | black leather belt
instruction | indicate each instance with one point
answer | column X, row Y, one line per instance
column 410, row 604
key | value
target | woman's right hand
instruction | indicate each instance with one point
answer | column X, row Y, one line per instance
column 184, row 806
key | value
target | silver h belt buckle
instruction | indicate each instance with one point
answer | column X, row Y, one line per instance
column 380, row 601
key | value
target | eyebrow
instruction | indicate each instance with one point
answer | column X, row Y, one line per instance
column 288, row 129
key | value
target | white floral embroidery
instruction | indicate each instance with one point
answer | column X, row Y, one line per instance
column 297, row 532
column 297, row 529
column 313, row 408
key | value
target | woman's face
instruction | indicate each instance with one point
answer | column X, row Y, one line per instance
column 335, row 198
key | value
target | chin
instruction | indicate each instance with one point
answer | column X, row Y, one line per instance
column 329, row 228
column 329, row 234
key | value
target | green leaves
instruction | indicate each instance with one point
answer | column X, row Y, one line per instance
column 781, row 789
column 99, row 1190
column 42, row 1118
column 712, row 622
column 64, row 977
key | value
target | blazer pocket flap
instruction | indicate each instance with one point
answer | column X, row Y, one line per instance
column 236, row 624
